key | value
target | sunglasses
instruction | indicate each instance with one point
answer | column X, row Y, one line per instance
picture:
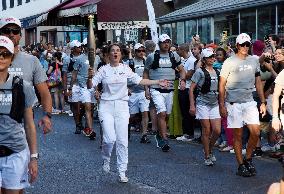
column 14, row 31
column 247, row 44
column 140, row 51
column 6, row 54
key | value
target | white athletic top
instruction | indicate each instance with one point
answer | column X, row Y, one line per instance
column 114, row 81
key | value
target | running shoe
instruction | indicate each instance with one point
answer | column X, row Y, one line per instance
column 122, row 178
column 87, row 131
column 78, row 129
column 145, row 139
column 268, row 148
column 92, row 135
column 106, row 166
column 226, row 149
column 223, row 144
column 243, row 171
column 243, row 151
column 208, row 162
column 159, row 141
column 257, row 152
column 166, row 147
column 212, row 157
column 249, row 165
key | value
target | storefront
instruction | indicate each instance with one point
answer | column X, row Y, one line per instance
column 255, row 17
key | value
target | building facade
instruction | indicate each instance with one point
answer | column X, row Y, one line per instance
column 27, row 11
column 210, row 18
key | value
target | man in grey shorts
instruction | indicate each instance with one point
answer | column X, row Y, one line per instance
column 28, row 67
column 163, row 65
column 240, row 75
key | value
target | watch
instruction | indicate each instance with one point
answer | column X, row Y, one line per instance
column 34, row 156
column 48, row 114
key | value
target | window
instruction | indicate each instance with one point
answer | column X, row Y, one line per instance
column 220, row 24
column 4, row 5
column 280, row 25
column 20, row 2
column 180, row 32
column 248, row 23
column 190, row 29
column 204, row 30
column 166, row 29
column 174, row 33
column 27, row 1
column 266, row 21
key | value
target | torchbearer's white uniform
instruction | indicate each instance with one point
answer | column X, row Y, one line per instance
column 114, row 111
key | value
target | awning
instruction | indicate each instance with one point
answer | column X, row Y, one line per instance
column 122, row 25
column 70, row 12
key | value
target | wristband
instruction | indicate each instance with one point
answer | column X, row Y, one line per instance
column 48, row 114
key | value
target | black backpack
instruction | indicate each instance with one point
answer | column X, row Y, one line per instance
column 18, row 100
column 156, row 62
column 205, row 88
column 70, row 65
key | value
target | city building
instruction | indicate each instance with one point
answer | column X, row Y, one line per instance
column 210, row 18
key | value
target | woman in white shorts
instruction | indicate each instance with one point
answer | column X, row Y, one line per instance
column 16, row 162
column 205, row 106
column 113, row 107
column 278, row 91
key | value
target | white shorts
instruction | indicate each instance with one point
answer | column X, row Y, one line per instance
column 163, row 101
column 84, row 95
column 14, row 170
column 240, row 114
column 206, row 112
column 138, row 101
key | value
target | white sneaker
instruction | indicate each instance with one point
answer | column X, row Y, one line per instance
column 208, row 162
column 226, row 149
column 212, row 157
column 123, row 178
column 106, row 167
column 244, row 151
column 223, row 144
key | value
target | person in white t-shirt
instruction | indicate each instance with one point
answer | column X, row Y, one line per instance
column 113, row 107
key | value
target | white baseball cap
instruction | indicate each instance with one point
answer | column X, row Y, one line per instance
column 9, row 20
column 75, row 43
column 243, row 37
column 85, row 41
column 164, row 37
column 207, row 52
column 138, row 45
column 7, row 43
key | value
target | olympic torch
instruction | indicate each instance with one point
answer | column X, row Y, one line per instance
column 91, row 49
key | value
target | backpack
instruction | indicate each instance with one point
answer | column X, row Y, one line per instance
column 132, row 65
column 18, row 99
column 156, row 62
column 70, row 65
column 205, row 88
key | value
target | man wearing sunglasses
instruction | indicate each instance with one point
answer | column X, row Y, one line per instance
column 239, row 77
column 28, row 67
column 137, row 100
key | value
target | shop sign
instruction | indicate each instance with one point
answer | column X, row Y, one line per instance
column 122, row 25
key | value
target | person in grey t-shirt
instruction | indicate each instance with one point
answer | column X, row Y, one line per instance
column 18, row 149
column 28, row 67
column 207, row 108
column 163, row 68
column 81, row 94
column 239, row 76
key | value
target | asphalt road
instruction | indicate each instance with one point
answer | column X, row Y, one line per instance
column 71, row 164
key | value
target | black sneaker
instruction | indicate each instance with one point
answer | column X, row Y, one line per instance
column 257, row 152
column 78, row 130
column 92, row 135
column 145, row 139
column 249, row 165
column 159, row 141
column 243, row 171
column 197, row 140
column 166, row 147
